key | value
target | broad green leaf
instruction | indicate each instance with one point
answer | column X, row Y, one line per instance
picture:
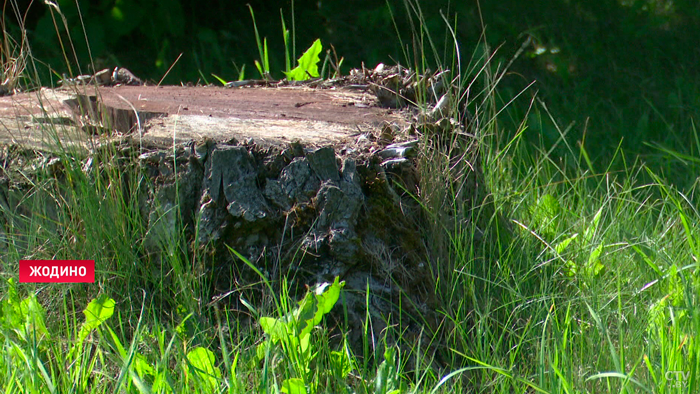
column 142, row 366
column 275, row 328
column 204, row 362
column 261, row 349
column 294, row 329
column 328, row 295
column 548, row 207
column 308, row 64
column 25, row 316
column 12, row 317
column 34, row 315
column 545, row 213
column 293, row 386
column 593, row 227
column 306, row 315
column 594, row 265
column 304, row 343
column 561, row 246
column 387, row 380
column 316, row 304
column 381, row 381
column 97, row 311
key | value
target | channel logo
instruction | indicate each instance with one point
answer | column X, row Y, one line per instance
column 57, row 271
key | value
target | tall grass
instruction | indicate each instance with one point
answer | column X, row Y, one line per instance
column 550, row 273
column 577, row 284
column 594, row 293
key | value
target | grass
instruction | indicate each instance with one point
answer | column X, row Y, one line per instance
column 585, row 280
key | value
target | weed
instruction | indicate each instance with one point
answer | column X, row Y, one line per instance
column 308, row 62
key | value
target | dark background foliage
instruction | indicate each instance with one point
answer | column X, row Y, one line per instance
column 613, row 69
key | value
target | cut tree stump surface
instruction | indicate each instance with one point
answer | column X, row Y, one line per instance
column 269, row 116
column 341, row 203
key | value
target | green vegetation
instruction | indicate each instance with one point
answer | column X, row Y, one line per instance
column 585, row 280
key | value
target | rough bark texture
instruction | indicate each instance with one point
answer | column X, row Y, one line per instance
column 306, row 213
column 295, row 201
